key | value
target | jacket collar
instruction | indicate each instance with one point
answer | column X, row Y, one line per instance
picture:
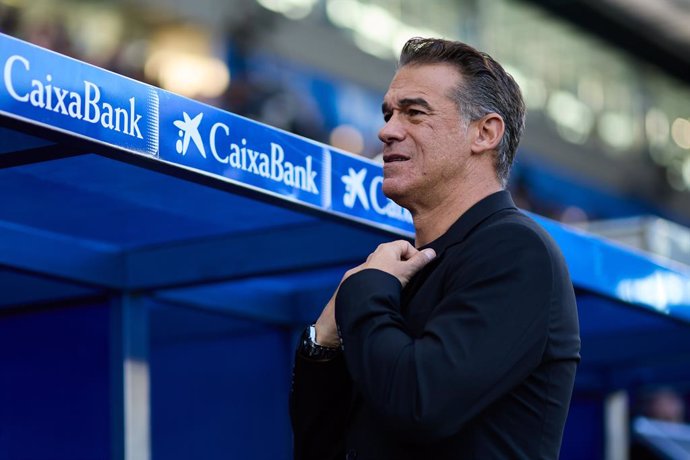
column 471, row 218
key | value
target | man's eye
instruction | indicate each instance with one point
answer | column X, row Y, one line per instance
column 414, row 112
column 386, row 117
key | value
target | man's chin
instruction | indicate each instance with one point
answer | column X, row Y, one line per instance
column 394, row 190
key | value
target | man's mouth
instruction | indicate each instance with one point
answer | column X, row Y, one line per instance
column 393, row 157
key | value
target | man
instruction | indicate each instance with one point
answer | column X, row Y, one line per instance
column 464, row 347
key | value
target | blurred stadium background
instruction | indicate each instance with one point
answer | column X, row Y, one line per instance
column 607, row 146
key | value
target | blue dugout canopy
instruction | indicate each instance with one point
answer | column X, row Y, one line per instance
column 111, row 187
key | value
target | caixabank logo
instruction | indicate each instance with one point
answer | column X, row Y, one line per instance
column 189, row 131
column 365, row 193
column 238, row 149
column 62, row 93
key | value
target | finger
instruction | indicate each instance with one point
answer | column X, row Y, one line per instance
column 393, row 250
column 383, row 248
column 420, row 259
column 404, row 249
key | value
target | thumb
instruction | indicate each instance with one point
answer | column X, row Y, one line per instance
column 420, row 259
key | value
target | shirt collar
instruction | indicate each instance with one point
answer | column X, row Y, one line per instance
column 471, row 218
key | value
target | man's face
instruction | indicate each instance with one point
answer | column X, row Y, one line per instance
column 426, row 147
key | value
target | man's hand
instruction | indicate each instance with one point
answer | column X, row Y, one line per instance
column 398, row 258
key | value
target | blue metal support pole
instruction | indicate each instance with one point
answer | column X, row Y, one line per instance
column 130, row 392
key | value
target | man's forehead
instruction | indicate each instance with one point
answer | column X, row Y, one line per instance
column 403, row 94
column 425, row 81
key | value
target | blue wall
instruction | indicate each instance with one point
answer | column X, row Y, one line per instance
column 54, row 384
column 219, row 387
column 583, row 437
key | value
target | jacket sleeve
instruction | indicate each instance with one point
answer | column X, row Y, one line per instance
column 320, row 399
column 485, row 335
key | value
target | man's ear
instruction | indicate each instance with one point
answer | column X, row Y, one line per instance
column 489, row 132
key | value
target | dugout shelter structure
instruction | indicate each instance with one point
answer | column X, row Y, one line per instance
column 159, row 258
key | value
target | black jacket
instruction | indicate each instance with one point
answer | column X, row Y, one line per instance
column 474, row 359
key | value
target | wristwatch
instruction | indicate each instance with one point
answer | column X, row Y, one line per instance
column 310, row 349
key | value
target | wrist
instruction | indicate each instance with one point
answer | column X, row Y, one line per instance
column 326, row 336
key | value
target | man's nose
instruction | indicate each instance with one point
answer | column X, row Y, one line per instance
column 392, row 130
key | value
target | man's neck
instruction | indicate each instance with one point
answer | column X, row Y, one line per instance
column 430, row 223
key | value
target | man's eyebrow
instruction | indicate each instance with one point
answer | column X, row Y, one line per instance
column 407, row 102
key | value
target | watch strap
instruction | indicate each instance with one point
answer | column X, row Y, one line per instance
column 311, row 350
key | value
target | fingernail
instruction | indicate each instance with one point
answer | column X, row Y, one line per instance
column 429, row 253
